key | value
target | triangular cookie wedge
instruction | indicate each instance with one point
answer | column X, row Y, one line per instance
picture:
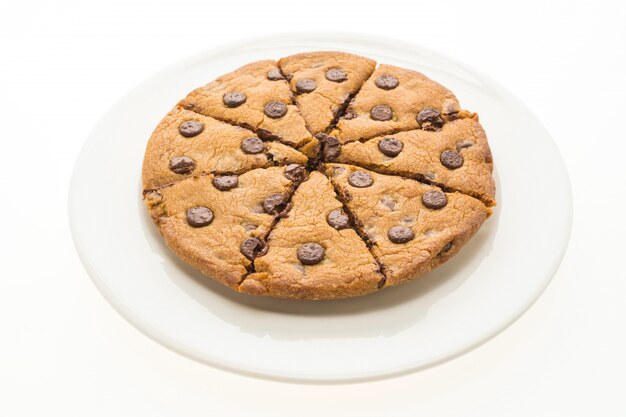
column 412, row 227
column 457, row 157
column 255, row 96
column 185, row 144
column 218, row 223
column 395, row 99
column 313, row 252
column 324, row 83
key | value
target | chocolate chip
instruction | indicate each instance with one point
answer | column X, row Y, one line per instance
column 451, row 159
column 295, row 172
column 446, row 248
column 386, row 82
column 182, row 165
column 360, row 179
column 310, row 253
column 199, row 216
column 390, row 146
column 434, row 199
column 274, row 204
column 252, row 248
column 275, row 109
column 265, row 134
column 400, row 234
column 430, row 119
column 336, row 75
column 275, row 74
column 381, row 113
column 331, row 147
column 234, row 99
column 338, row 219
column 190, row 128
column 225, row 182
column 306, row 85
column 252, row 145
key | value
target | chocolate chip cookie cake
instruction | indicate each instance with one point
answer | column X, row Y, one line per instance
column 318, row 176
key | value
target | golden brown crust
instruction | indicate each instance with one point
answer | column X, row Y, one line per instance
column 217, row 149
column 414, row 92
column 321, row 106
column 252, row 81
column 394, row 201
column 420, row 157
column 347, row 269
column 361, row 254
column 238, row 214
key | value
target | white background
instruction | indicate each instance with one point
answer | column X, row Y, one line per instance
column 64, row 351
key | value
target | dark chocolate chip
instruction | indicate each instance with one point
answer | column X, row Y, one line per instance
column 253, row 248
column 199, row 216
column 338, row 219
column 390, row 146
column 386, row 82
column 381, row 113
column 275, row 74
column 446, row 248
column 274, row 204
column 434, row 199
column 331, row 148
column 400, row 234
column 265, row 134
column 234, row 99
column 451, row 159
column 306, row 85
column 360, row 179
column 430, row 119
column 336, row 75
column 225, row 182
column 295, row 172
column 252, row 145
column 275, row 109
column 190, row 128
column 182, row 165
column 310, row 253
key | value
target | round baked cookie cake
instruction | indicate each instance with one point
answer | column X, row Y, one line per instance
column 318, row 176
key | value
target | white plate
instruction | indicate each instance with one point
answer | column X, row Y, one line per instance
column 490, row 283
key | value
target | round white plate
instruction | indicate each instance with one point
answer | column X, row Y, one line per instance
column 490, row 283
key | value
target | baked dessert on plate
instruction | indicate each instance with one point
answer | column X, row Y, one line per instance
column 318, row 176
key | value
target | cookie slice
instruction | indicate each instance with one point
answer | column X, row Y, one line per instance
column 457, row 157
column 412, row 227
column 186, row 144
column 395, row 99
column 324, row 83
column 257, row 97
column 313, row 252
column 217, row 223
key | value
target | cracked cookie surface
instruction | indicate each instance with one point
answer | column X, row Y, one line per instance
column 335, row 264
column 318, row 177
column 206, row 226
column 391, row 100
column 253, row 98
column 413, row 227
column 185, row 144
column 324, row 82
column 421, row 154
